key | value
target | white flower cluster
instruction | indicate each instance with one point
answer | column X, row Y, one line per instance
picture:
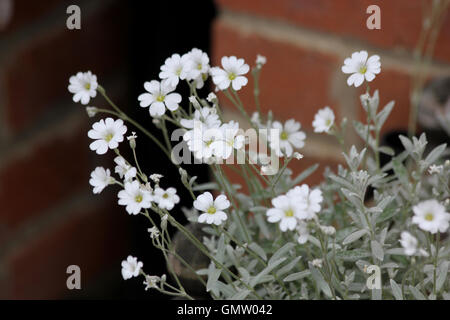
column 208, row 138
column 292, row 209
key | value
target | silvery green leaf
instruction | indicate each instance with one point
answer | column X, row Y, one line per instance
column 396, row 251
column 272, row 265
column 432, row 296
column 354, row 236
column 396, row 291
column 341, row 181
column 244, row 274
column 259, row 251
column 384, row 114
column 352, row 197
column 297, row 276
column 288, row 267
column 241, row 295
column 202, row 272
column 220, row 255
column 305, row 174
column 407, row 144
column 341, row 234
column 387, row 150
column 206, row 186
column 377, row 250
column 213, row 276
column 442, row 276
column 281, row 252
column 320, row 281
column 416, row 293
column 390, row 265
column 446, row 295
column 192, row 180
column 352, row 255
column 226, row 289
column 252, row 265
column 435, row 154
column 383, row 234
column 262, row 224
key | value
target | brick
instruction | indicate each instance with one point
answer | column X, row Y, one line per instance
column 26, row 12
column 98, row 47
column 400, row 20
column 94, row 238
column 45, row 175
column 294, row 83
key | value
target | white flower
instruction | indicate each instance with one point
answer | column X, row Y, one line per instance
column 213, row 209
column 361, row 68
column 231, row 74
column 323, row 120
column 297, row 155
column 430, row 216
column 328, row 230
column 317, row 263
column 155, row 177
column 124, row 169
column 166, row 199
column 286, row 211
column 151, row 282
column 230, row 140
column 91, row 111
column 154, row 232
column 134, row 197
column 100, row 178
column 199, row 67
column 310, row 200
column 131, row 268
column 159, row 97
column 200, row 140
column 409, row 243
column 202, row 117
column 211, row 97
column 303, row 232
column 260, row 60
column 83, row 86
column 107, row 133
column 435, row 169
column 289, row 137
column 174, row 69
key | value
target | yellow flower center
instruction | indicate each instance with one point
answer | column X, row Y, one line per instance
column 211, row 210
column 165, row 195
column 138, row 198
column 178, row 72
column 160, row 98
column 87, row 86
column 363, row 69
column 328, row 122
column 429, row 216
column 108, row 137
column 283, row 136
column 231, row 76
column 199, row 66
column 289, row 213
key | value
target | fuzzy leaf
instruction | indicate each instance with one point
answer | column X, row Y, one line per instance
column 354, row 236
column 281, row 252
column 259, row 251
column 377, row 250
column 297, row 276
column 416, row 293
column 396, row 291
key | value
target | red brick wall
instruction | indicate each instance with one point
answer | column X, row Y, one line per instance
column 306, row 42
column 49, row 218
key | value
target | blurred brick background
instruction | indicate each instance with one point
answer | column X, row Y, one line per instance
column 306, row 42
column 49, row 218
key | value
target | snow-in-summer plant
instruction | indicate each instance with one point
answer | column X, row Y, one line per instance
column 283, row 238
